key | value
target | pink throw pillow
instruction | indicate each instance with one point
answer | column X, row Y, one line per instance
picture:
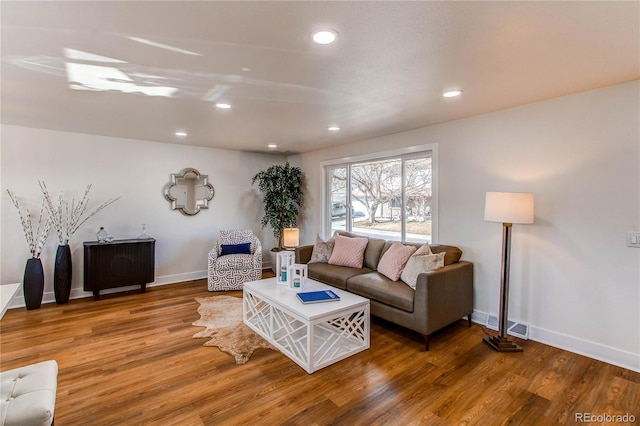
column 348, row 251
column 393, row 260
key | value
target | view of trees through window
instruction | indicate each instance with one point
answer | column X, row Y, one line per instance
column 388, row 198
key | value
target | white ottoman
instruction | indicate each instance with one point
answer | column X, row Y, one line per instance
column 28, row 394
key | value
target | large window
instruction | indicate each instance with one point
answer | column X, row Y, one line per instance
column 390, row 197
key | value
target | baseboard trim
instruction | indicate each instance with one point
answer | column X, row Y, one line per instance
column 78, row 293
column 587, row 348
column 590, row 349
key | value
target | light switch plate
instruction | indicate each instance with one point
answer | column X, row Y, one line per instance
column 633, row 239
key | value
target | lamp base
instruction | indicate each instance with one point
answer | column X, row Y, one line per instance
column 502, row 344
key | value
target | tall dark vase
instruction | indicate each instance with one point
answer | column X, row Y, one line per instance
column 62, row 274
column 33, row 283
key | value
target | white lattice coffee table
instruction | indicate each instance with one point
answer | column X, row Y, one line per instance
column 313, row 335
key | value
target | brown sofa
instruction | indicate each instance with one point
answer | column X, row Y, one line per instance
column 441, row 297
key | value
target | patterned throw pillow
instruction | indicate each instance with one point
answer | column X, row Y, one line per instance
column 421, row 263
column 393, row 260
column 348, row 251
column 322, row 250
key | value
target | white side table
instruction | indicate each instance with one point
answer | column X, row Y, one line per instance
column 7, row 291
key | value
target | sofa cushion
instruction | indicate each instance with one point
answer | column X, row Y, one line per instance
column 235, row 262
column 452, row 253
column 28, row 394
column 322, row 250
column 348, row 251
column 375, row 286
column 419, row 263
column 393, row 260
column 373, row 251
column 334, row 275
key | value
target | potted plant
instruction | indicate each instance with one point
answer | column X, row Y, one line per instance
column 281, row 187
column 36, row 236
column 66, row 218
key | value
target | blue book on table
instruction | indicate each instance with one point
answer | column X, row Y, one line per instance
column 317, row 296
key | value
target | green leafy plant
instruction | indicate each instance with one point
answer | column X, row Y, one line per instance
column 281, row 187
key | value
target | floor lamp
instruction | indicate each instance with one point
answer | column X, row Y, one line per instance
column 508, row 208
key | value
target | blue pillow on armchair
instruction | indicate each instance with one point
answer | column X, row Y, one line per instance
column 244, row 248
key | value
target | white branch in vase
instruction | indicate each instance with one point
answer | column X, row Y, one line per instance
column 67, row 220
column 35, row 238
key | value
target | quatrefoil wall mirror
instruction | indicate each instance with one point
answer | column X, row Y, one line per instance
column 189, row 191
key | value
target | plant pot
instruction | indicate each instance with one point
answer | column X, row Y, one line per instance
column 33, row 283
column 62, row 274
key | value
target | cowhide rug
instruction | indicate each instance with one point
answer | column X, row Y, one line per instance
column 222, row 317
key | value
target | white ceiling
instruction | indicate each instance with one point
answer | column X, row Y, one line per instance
column 384, row 74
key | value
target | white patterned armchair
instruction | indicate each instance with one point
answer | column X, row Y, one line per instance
column 241, row 265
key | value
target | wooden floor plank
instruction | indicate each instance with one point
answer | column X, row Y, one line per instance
column 130, row 359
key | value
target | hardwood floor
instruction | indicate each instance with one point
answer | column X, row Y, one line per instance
column 130, row 359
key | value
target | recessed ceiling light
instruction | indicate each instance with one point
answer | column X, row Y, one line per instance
column 452, row 93
column 223, row 106
column 272, row 146
column 181, row 134
column 325, row 36
column 333, row 128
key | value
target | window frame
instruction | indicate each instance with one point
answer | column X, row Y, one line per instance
column 402, row 153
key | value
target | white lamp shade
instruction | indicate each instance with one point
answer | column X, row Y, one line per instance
column 509, row 207
column 291, row 237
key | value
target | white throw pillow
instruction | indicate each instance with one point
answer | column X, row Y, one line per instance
column 419, row 263
column 425, row 249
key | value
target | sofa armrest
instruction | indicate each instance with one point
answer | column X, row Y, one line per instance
column 303, row 254
column 445, row 295
column 213, row 255
column 257, row 253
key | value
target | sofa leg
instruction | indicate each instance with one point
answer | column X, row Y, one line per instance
column 469, row 320
column 426, row 342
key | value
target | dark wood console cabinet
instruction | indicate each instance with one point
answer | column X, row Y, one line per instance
column 119, row 263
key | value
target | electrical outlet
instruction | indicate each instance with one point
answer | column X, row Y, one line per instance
column 633, row 239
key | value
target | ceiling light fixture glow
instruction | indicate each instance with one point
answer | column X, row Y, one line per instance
column 325, row 36
column 79, row 55
column 99, row 78
column 163, row 46
column 180, row 134
column 223, row 106
column 272, row 146
column 452, row 93
column 333, row 128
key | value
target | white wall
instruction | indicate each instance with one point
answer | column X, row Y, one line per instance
column 572, row 277
column 137, row 172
